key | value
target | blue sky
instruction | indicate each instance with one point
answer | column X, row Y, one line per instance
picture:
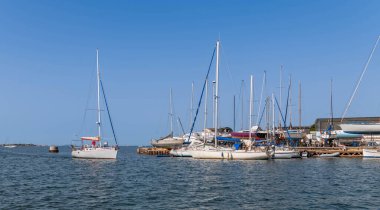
column 47, row 61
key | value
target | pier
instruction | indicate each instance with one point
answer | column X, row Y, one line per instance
column 152, row 151
column 344, row 152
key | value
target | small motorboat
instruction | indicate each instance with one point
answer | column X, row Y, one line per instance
column 335, row 154
column 305, row 154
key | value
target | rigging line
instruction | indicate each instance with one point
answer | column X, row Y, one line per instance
column 360, row 79
column 180, row 123
column 228, row 68
column 108, row 111
column 287, row 130
column 287, row 104
column 87, row 102
column 262, row 114
column 203, row 89
column 261, row 95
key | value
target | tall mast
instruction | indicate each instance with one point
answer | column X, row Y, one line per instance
column 192, row 103
column 98, row 81
column 331, row 105
column 290, row 101
column 213, row 104
column 273, row 117
column 205, row 122
column 171, row 111
column 242, row 105
column 279, row 110
column 234, row 114
column 250, row 108
column 299, row 105
column 216, row 92
column 261, row 97
column 267, row 114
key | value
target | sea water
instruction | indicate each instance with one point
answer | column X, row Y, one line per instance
column 33, row 178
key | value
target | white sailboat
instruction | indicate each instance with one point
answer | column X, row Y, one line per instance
column 215, row 152
column 98, row 149
column 257, row 153
column 209, row 152
column 330, row 133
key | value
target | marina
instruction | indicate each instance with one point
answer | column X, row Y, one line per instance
column 190, row 104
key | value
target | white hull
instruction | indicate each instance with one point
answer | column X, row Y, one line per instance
column 180, row 152
column 361, row 128
column 285, row 153
column 371, row 153
column 95, row 153
column 229, row 154
column 335, row 154
column 282, row 155
column 247, row 155
column 207, row 154
column 10, row 146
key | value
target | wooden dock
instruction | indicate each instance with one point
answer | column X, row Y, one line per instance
column 312, row 151
column 152, row 151
column 344, row 152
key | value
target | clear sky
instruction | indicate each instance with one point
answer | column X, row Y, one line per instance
column 48, row 63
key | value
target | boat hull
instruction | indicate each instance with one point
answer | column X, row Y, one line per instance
column 231, row 155
column 95, row 153
column 211, row 154
column 247, row 155
column 282, row 155
column 335, row 154
column 180, row 153
column 167, row 143
column 371, row 153
column 357, row 128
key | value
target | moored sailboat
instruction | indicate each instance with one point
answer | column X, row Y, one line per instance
column 98, row 149
column 170, row 141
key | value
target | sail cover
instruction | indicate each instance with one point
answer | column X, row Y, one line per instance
column 91, row 138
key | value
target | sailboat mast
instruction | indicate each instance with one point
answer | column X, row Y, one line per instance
column 192, row 103
column 213, row 103
column 279, row 110
column 234, row 114
column 273, row 117
column 250, row 108
column 205, row 122
column 290, row 102
column 299, row 105
column 331, row 105
column 261, row 97
column 98, row 81
column 171, row 111
column 242, row 105
column 216, row 92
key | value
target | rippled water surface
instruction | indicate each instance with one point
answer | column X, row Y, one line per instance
column 33, row 178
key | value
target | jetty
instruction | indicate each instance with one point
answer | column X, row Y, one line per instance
column 343, row 151
column 152, row 151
